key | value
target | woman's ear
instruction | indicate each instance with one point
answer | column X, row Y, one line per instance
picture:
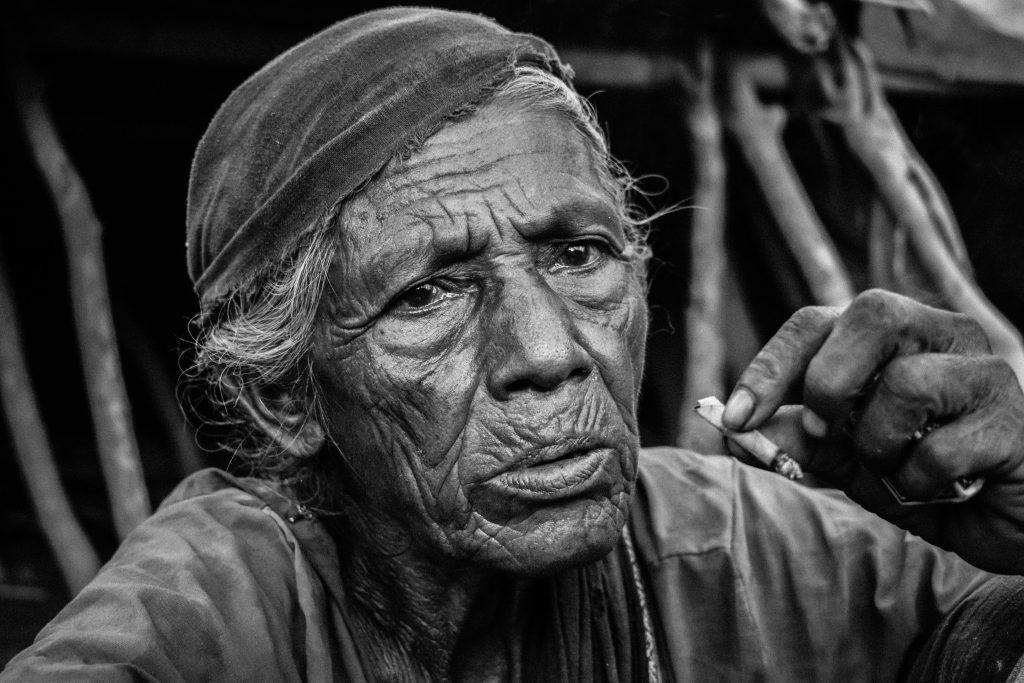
column 285, row 419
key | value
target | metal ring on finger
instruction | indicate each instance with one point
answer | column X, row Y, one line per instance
column 960, row 490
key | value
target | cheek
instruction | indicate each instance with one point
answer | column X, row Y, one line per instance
column 430, row 396
column 617, row 341
column 634, row 329
column 397, row 417
column 637, row 339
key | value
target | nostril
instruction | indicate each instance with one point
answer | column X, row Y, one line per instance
column 579, row 372
column 545, row 381
column 518, row 386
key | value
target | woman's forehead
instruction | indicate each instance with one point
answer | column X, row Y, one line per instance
column 503, row 145
column 508, row 172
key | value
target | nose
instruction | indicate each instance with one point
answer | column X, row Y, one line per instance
column 534, row 341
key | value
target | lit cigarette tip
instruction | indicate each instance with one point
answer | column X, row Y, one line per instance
column 787, row 466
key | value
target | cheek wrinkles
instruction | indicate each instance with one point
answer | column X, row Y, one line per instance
column 396, row 423
column 617, row 343
column 417, row 419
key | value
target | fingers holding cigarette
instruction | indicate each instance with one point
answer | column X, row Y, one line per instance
column 766, row 451
column 753, row 442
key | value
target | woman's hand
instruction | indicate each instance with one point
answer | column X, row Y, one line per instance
column 894, row 388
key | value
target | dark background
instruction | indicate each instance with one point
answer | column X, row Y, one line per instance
column 132, row 87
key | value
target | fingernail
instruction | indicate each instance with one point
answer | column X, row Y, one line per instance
column 813, row 423
column 738, row 409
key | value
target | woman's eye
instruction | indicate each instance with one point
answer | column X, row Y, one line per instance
column 422, row 296
column 580, row 254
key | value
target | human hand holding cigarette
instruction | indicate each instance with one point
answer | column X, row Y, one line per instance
column 903, row 406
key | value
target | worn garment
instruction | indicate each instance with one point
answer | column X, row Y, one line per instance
column 747, row 576
column 981, row 640
column 320, row 120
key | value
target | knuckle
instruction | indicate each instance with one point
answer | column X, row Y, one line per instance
column 999, row 372
column 811, row 319
column 877, row 300
column 876, row 308
column 970, row 335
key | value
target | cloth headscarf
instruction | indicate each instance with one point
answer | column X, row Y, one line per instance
column 317, row 122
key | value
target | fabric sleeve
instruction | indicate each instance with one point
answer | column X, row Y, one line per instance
column 203, row 590
column 981, row 640
column 758, row 577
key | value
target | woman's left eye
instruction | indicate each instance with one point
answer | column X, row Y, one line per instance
column 581, row 254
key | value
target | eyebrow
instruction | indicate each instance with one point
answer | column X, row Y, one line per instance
column 572, row 218
column 434, row 250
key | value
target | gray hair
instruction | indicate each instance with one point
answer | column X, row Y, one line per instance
column 263, row 334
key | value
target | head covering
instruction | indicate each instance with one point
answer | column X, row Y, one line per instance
column 312, row 126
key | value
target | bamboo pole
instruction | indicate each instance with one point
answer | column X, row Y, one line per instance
column 75, row 555
column 757, row 128
column 118, row 451
column 704, row 373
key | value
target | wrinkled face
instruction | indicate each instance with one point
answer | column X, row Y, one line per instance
column 481, row 352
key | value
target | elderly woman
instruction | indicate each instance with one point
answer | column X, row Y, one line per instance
column 423, row 308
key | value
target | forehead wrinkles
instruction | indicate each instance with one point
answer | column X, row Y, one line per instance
column 475, row 211
column 437, row 202
column 442, row 183
column 448, row 221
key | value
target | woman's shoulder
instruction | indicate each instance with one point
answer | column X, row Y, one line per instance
column 215, row 487
column 691, row 503
column 208, row 577
column 683, row 501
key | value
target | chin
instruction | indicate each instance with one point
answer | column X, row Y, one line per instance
column 552, row 541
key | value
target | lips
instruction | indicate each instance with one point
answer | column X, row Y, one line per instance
column 565, row 475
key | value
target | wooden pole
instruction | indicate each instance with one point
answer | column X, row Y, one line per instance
column 705, row 346
column 108, row 402
column 757, row 128
column 75, row 555
column 910, row 192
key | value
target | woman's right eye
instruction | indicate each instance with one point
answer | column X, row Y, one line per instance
column 421, row 297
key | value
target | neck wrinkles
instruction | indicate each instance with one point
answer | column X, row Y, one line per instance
column 418, row 620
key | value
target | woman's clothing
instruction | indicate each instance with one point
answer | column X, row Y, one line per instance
column 747, row 576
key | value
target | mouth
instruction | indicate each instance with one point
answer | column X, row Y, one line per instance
column 566, row 475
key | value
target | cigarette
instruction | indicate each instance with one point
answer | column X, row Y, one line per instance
column 753, row 441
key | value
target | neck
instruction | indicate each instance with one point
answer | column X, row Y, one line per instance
column 418, row 619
